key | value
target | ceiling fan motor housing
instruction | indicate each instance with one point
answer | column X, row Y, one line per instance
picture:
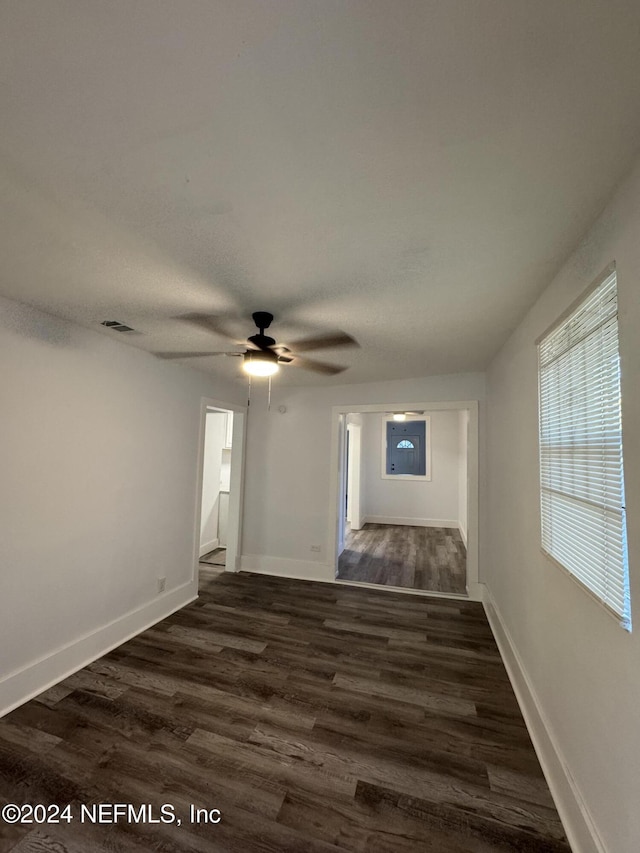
column 261, row 341
column 262, row 319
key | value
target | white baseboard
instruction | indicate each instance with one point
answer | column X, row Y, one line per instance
column 475, row 591
column 576, row 818
column 463, row 533
column 286, row 568
column 307, row 570
column 412, row 522
column 209, row 546
column 26, row 683
column 405, row 590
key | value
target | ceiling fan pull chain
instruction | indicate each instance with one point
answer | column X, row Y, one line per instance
column 269, row 398
column 249, row 394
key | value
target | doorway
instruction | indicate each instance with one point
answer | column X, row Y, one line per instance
column 220, row 486
column 414, row 530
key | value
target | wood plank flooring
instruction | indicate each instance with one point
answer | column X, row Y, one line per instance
column 427, row 558
column 217, row 557
column 315, row 717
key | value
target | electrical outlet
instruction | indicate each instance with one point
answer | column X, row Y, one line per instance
column 315, row 548
column 161, row 584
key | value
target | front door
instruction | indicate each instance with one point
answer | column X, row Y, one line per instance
column 406, row 448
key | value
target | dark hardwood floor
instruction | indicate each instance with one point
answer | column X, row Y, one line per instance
column 427, row 558
column 315, row 717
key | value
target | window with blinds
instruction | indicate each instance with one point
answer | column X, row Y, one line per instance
column 581, row 472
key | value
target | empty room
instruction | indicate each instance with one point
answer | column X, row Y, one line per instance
column 320, row 426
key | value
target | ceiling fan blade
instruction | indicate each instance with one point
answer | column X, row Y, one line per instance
column 211, row 323
column 311, row 364
column 328, row 341
column 192, row 354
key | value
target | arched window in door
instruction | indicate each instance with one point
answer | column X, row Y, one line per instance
column 406, row 449
column 405, row 445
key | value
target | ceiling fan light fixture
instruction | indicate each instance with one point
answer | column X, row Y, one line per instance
column 260, row 363
column 399, row 416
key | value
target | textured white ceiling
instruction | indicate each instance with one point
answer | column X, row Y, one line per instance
column 409, row 172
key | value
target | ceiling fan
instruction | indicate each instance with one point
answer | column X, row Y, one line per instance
column 263, row 356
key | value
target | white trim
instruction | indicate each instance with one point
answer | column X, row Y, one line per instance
column 209, row 546
column 335, row 488
column 577, row 821
column 342, row 462
column 475, row 591
column 463, row 532
column 448, row 406
column 473, row 595
column 354, row 477
column 425, row 593
column 26, row 683
column 284, row 567
column 412, row 522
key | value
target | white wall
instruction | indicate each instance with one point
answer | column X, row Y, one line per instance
column 463, row 465
column 423, row 502
column 214, row 436
column 288, row 478
column 583, row 669
column 225, row 468
column 98, row 471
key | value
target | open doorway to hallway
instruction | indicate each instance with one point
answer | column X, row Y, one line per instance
column 220, row 486
column 405, row 499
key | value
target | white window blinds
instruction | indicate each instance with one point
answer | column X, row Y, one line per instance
column 581, row 473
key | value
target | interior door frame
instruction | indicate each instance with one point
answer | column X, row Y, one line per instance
column 354, row 449
column 236, row 482
column 338, row 431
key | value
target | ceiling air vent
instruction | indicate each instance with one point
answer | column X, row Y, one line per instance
column 116, row 326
